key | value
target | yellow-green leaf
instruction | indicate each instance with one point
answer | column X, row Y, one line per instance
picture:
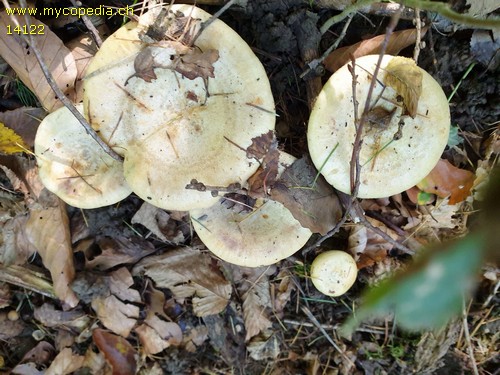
column 404, row 76
column 10, row 142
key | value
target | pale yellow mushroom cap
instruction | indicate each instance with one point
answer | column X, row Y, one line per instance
column 171, row 130
column 73, row 166
column 257, row 238
column 333, row 272
column 388, row 165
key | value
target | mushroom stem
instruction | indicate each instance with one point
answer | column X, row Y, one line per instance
column 63, row 98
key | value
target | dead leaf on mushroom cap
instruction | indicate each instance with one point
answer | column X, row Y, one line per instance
column 310, row 199
column 263, row 147
column 403, row 75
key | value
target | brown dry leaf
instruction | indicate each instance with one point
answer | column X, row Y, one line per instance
column 157, row 220
column 48, row 230
column 66, row 362
column 24, row 121
column 41, row 354
column 15, row 247
column 9, row 330
column 5, row 295
column 446, row 180
column 58, row 59
column 315, row 208
column 194, row 337
column 156, row 335
column 119, row 250
column 397, row 41
column 10, row 141
column 261, row 145
column 403, row 75
column 283, row 291
column 368, row 247
column 117, row 351
column 83, row 50
column 76, row 320
column 254, row 289
column 144, row 65
column 188, row 272
column 114, row 313
column 196, row 64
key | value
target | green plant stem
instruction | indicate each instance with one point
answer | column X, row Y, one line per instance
column 438, row 7
column 469, row 69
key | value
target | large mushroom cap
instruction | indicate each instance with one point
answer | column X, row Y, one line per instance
column 184, row 124
column 388, row 165
column 251, row 238
column 73, row 166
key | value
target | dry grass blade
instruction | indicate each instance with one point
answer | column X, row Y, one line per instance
column 59, row 60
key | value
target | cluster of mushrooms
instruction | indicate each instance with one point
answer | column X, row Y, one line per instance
column 179, row 112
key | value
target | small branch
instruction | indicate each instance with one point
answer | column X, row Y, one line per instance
column 418, row 26
column 465, row 324
column 433, row 6
column 67, row 103
column 90, row 27
column 207, row 23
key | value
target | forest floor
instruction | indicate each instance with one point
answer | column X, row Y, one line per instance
column 273, row 320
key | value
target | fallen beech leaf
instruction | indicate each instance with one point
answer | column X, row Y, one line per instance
column 159, row 222
column 108, row 296
column 24, row 121
column 10, row 142
column 368, row 247
column 397, row 41
column 264, row 147
column 58, row 59
column 446, row 180
column 41, row 354
column 197, row 64
column 76, row 320
column 83, row 50
column 119, row 250
column 253, row 287
column 156, row 334
column 188, row 272
column 118, row 352
column 66, row 362
column 316, row 208
column 403, row 75
column 48, row 230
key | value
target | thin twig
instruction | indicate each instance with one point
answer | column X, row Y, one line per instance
column 90, row 27
column 467, row 338
column 216, row 15
column 63, row 98
column 418, row 26
column 314, row 64
column 327, row 336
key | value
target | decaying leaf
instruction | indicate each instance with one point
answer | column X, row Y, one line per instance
column 24, row 121
column 10, row 142
column 194, row 337
column 117, row 351
column 403, row 75
column 66, row 362
column 156, row 334
column 41, row 354
column 83, row 50
column 157, row 221
column 310, row 199
column 283, row 291
column 367, row 247
column 188, row 272
column 197, row 64
column 263, row 147
column 253, row 287
column 397, row 41
column 48, row 230
column 446, row 180
column 58, row 59
column 76, row 320
column 119, row 250
column 108, row 296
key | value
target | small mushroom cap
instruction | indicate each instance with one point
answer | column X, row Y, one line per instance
column 255, row 238
column 175, row 129
column 73, row 166
column 333, row 272
column 388, row 165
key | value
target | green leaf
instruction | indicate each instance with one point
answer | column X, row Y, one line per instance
column 428, row 293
